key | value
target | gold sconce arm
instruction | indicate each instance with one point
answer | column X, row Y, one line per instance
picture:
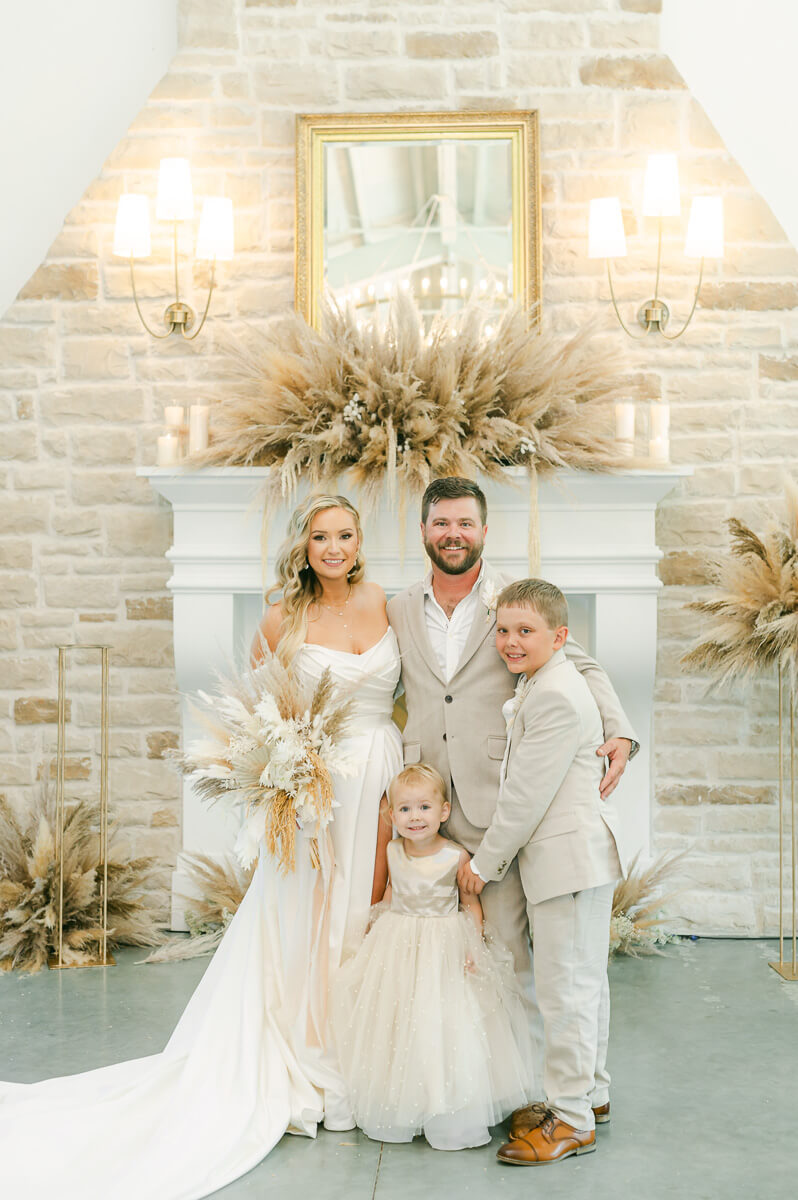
column 636, row 337
column 189, row 337
column 151, row 332
column 671, row 337
column 178, row 315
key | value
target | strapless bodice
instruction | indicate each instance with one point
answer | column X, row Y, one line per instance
column 372, row 676
column 425, row 886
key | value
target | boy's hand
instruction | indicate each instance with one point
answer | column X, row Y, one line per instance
column 617, row 750
column 468, row 882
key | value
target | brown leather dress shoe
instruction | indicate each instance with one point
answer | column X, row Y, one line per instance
column 548, row 1142
column 602, row 1114
column 524, row 1119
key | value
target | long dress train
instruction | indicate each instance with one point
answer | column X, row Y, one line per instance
column 243, row 1064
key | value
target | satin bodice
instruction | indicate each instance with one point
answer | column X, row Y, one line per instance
column 425, row 886
column 372, row 676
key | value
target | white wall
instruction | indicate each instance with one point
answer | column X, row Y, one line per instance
column 738, row 57
column 72, row 78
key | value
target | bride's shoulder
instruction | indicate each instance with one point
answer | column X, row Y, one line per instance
column 372, row 595
column 268, row 631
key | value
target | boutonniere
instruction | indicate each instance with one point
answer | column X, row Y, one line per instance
column 489, row 594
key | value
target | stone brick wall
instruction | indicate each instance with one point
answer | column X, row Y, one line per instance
column 82, row 388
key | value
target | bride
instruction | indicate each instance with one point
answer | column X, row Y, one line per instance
column 245, row 1063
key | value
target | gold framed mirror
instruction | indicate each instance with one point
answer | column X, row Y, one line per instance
column 446, row 205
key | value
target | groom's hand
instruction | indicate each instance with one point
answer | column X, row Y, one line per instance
column 617, row 750
column 468, row 882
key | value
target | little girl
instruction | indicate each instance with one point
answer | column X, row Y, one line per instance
column 428, row 1018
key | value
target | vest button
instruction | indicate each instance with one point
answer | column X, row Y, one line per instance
column 448, row 699
column 444, row 737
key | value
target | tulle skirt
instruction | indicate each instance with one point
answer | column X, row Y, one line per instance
column 431, row 1031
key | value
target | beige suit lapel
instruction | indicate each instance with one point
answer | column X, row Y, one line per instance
column 557, row 659
column 417, row 624
column 483, row 625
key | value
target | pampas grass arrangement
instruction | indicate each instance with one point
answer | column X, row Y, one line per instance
column 271, row 741
column 218, row 887
column 754, row 615
column 395, row 405
column 636, row 924
column 29, row 894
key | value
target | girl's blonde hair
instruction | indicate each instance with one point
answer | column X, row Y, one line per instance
column 297, row 581
column 418, row 773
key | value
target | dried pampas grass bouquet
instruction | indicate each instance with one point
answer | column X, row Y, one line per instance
column 395, row 405
column 29, row 888
column 753, row 617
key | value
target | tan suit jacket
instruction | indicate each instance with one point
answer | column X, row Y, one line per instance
column 549, row 812
column 458, row 726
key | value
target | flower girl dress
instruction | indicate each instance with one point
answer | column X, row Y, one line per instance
column 429, row 1021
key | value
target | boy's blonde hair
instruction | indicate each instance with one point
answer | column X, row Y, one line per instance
column 539, row 594
column 418, row 773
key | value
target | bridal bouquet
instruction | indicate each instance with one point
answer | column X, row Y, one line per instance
column 271, row 746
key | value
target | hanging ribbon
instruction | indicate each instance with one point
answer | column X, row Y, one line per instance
column 533, row 534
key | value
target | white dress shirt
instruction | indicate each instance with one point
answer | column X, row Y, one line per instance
column 448, row 635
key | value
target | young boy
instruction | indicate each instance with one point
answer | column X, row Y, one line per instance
column 550, row 815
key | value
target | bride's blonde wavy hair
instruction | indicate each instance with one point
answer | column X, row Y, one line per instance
column 297, row 581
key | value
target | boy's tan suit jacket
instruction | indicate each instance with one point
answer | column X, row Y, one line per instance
column 549, row 812
column 458, row 726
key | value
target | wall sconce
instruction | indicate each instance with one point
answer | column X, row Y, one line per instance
column 606, row 238
column 175, row 203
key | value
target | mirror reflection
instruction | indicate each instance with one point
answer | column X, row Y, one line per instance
column 432, row 216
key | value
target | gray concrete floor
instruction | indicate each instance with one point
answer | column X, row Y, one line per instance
column 705, row 1083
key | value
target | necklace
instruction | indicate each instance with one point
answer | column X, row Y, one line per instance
column 340, row 613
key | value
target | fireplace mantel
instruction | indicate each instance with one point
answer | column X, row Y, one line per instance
column 597, row 542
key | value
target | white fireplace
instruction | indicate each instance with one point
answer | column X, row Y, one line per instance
column 597, row 544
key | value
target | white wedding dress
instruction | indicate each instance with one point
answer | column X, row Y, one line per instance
column 243, row 1065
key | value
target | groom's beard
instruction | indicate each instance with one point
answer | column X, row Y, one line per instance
column 472, row 556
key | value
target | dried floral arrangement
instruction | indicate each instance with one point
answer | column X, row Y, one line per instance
column 754, row 615
column 218, row 887
column 394, row 405
column 29, row 891
column 636, row 924
column 272, row 741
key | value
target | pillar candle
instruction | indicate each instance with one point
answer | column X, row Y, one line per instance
column 659, row 428
column 173, row 414
column 168, row 450
column 198, row 416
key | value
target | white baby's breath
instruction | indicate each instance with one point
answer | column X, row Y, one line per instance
column 277, row 740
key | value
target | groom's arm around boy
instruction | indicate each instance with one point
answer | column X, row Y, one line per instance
column 550, row 816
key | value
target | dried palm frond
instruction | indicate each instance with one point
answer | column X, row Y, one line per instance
column 29, row 888
column 636, row 924
column 273, row 739
column 396, row 406
column 754, row 615
column 218, row 886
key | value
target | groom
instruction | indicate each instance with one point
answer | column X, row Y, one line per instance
column 455, row 685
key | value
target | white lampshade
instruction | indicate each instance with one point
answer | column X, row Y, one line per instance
column 705, row 228
column 606, row 238
column 215, row 237
column 175, row 197
column 132, row 230
column 661, row 187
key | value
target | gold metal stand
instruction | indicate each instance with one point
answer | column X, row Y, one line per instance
column 104, row 959
column 787, row 970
